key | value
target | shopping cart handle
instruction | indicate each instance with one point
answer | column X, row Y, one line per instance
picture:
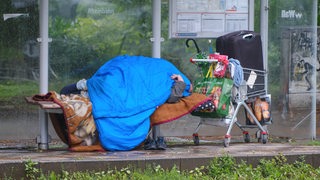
column 204, row 60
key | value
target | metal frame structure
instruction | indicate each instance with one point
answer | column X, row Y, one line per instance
column 156, row 52
column 44, row 71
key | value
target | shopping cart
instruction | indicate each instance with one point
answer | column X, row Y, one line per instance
column 244, row 95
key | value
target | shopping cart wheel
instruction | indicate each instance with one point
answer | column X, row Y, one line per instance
column 196, row 140
column 258, row 135
column 226, row 141
column 264, row 138
column 246, row 137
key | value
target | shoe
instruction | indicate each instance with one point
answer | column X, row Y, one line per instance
column 161, row 144
column 150, row 144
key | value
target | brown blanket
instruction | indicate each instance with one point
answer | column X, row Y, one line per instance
column 79, row 130
column 79, row 123
column 172, row 111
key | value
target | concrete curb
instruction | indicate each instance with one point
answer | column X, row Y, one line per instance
column 184, row 157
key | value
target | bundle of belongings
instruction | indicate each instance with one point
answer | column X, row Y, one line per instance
column 220, row 81
column 126, row 97
column 217, row 82
column 260, row 107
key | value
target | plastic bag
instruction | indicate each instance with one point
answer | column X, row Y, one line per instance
column 219, row 89
column 221, row 67
column 261, row 110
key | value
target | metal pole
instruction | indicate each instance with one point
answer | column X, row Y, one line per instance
column 43, row 117
column 264, row 9
column 251, row 16
column 156, row 28
column 156, row 46
column 314, row 78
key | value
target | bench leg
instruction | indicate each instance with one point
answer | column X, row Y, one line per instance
column 155, row 132
column 42, row 141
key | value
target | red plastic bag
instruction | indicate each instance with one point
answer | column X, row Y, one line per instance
column 222, row 65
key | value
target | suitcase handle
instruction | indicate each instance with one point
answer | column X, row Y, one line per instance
column 247, row 36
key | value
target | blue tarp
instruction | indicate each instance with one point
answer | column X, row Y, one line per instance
column 124, row 92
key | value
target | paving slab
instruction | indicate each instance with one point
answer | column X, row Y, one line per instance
column 183, row 156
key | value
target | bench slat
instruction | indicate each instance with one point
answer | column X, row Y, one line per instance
column 43, row 104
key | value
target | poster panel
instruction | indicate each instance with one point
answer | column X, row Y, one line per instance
column 209, row 18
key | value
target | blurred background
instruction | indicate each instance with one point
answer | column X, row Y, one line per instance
column 85, row 34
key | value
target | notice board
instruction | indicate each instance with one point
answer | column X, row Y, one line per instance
column 209, row 18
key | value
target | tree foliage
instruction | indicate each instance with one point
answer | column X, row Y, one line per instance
column 85, row 34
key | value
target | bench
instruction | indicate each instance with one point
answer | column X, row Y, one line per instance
column 46, row 108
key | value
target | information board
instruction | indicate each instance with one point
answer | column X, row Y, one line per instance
column 209, row 18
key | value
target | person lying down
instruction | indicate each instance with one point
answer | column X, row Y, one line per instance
column 124, row 92
column 176, row 93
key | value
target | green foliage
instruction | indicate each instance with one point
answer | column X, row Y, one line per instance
column 224, row 167
column 11, row 91
column 8, row 53
column 314, row 143
column 275, row 22
column 83, row 39
column 31, row 170
column 246, row 171
column 80, row 46
column 14, row 92
column 274, row 67
column 279, row 168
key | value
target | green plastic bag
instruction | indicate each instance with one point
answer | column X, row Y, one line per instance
column 220, row 91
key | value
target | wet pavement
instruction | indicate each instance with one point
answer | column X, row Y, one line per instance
column 285, row 138
column 182, row 154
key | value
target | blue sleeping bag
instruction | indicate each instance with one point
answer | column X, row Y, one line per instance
column 124, row 92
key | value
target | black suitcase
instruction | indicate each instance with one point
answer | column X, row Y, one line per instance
column 245, row 46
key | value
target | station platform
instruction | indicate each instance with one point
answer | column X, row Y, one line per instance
column 183, row 154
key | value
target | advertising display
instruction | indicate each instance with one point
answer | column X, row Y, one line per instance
column 295, row 33
column 300, row 58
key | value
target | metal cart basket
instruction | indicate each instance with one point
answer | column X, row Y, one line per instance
column 244, row 95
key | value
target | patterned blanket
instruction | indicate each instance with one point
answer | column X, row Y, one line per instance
column 79, row 123
column 79, row 127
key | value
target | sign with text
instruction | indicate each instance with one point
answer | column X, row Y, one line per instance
column 209, row 18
